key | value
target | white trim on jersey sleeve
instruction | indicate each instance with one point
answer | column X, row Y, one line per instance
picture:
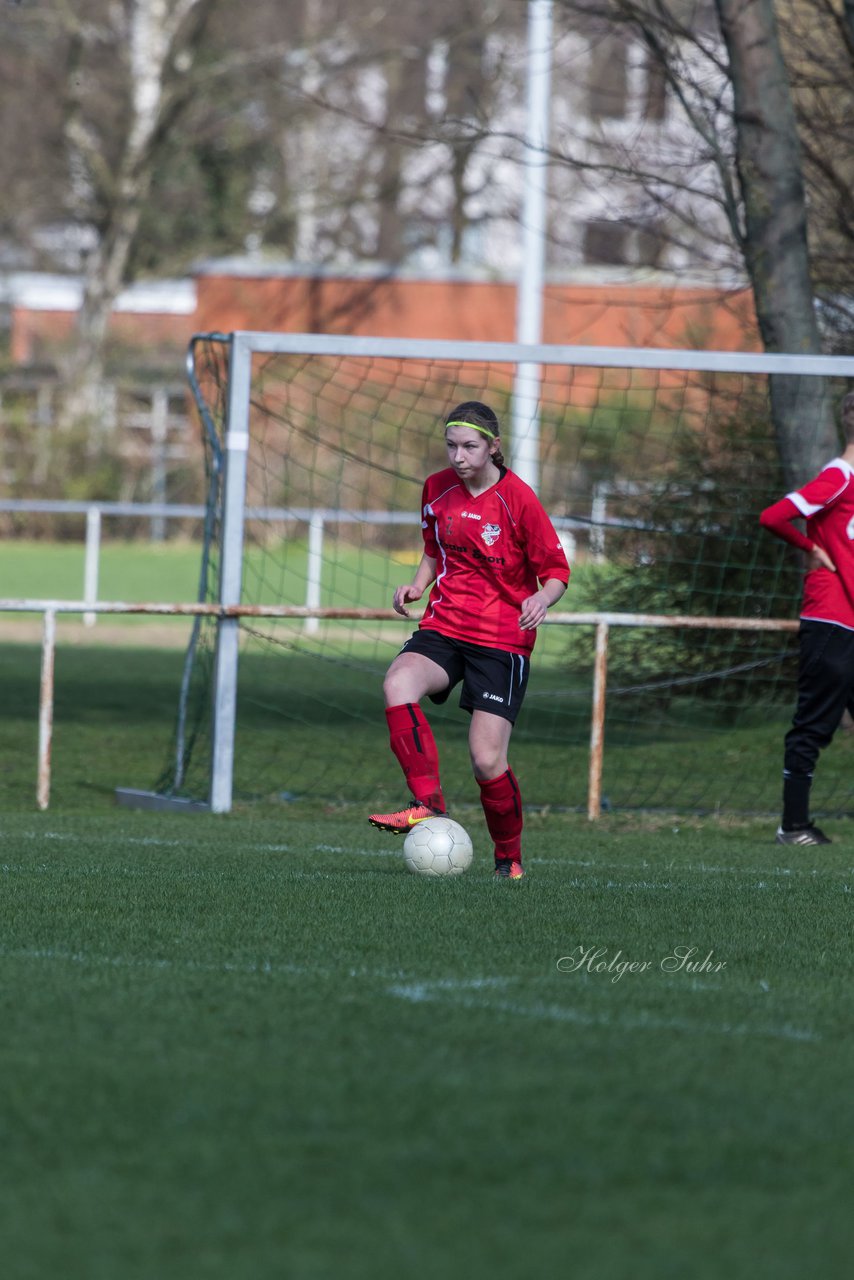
column 806, row 508
column 439, row 576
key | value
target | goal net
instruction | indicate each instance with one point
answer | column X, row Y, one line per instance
column 653, row 466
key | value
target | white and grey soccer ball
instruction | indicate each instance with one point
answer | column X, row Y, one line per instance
column 438, row 847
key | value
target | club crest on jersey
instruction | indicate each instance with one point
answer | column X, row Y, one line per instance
column 490, row 533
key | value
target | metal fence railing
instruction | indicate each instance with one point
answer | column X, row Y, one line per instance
column 316, row 519
column 601, row 621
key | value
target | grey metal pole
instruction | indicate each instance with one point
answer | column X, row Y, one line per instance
column 525, row 439
column 224, row 709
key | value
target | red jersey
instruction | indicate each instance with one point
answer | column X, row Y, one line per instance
column 492, row 552
column 827, row 505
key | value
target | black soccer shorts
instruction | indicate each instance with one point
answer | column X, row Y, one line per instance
column 493, row 680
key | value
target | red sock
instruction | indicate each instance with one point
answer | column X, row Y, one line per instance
column 502, row 805
column 413, row 744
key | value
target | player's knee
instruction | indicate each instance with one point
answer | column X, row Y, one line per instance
column 401, row 684
column 487, row 762
column 395, row 689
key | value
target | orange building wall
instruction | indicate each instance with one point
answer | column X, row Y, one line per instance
column 597, row 315
column 38, row 335
column 573, row 314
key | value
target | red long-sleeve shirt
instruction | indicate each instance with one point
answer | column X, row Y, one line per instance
column 827, row 505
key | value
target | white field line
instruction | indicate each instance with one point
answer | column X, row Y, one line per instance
column 591, row 864
column 476, row 993
column 482, row 994
column 154, row 842
column 461, row 994
column 74, row 838
column 249, row 968
column 577, row 882
column 702, row 868
column 658, row 886
column 140, row 871
column 95, row 961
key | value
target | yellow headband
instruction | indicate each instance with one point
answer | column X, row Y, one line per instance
column 484, row 431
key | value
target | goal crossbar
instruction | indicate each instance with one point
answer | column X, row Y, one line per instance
column 247, row 342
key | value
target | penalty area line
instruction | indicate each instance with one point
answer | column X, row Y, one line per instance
column 482, row 994
column 592, row 864
column 461, row 995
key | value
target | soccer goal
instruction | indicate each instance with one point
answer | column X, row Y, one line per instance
column 671, row 656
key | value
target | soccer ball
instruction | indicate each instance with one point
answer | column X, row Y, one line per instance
column 438, row 847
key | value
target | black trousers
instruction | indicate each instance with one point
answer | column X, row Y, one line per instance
column 825, row 689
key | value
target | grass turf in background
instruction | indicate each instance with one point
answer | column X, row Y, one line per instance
column 255, row 1047
column 169, row 571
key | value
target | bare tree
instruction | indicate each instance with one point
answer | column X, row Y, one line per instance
column 30, row 122
column 338, row 132
column 818, row 44
column 154, row 43
column 774, row 237
column 405, row 103
column 724, row 68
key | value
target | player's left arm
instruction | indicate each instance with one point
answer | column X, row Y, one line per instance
column 414, row 590
column 535, row 608
column 548, row 560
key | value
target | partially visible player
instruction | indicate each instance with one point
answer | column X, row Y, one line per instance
column 826, row 635
column 496, row 565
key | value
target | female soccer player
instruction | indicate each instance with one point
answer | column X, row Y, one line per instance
column 826, row 633
column 488, row 543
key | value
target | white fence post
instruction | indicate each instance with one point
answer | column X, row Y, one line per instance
column 46, row 708
column 158, row 423
column 314, row 569
column 597, row 723
column 93, row 553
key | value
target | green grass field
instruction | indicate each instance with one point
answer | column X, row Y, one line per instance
column 253, row 1046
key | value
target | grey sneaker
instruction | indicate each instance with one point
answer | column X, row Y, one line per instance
column 802, row 836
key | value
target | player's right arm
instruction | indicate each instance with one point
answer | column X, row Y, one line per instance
column 425, row 574
column 818, row 495
column 777, row 519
